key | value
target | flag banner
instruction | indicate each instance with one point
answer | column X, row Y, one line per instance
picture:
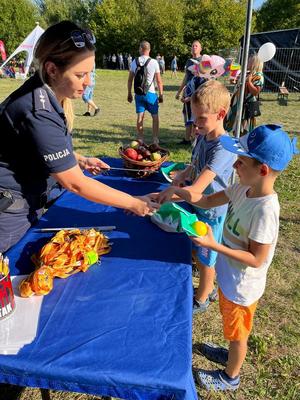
column 2, row 51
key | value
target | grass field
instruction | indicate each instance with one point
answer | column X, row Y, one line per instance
column 272, row 367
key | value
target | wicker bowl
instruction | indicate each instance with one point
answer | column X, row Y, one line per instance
column 145, row 168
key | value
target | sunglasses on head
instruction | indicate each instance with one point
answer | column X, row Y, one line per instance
column 80, row 38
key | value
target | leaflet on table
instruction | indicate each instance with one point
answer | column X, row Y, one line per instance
column 21, row 327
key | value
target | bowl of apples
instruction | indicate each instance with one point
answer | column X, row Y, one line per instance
column 141, row 159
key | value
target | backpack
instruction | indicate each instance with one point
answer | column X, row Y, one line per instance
column 140, row 78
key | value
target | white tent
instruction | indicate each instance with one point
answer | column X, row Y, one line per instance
column 27, row 45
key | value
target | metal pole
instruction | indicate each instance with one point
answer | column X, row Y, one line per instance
column 291, row 57
column 246, row 42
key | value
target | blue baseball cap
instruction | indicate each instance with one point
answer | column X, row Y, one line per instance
column 268, row 144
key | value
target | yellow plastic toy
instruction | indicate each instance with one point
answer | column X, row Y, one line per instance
column 200, row 228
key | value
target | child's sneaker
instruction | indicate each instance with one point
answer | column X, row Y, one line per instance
column 214, row 353
column 199, row 307
column 217, row 380
column 213, row 296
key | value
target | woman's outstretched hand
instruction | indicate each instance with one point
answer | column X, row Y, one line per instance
column 95, row 166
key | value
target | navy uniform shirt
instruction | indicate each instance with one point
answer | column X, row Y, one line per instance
column 35, row 141
column 189, row 74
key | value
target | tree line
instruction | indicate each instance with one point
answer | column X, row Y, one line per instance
column 169, row 25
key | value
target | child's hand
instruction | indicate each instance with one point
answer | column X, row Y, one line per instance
column 185, row 99
column 152, row 196
column 179, row 181
column 249, row 78
column 144, row 206
column 173, row 174
column 178, row 178
column 205, row 241
column 166, row 195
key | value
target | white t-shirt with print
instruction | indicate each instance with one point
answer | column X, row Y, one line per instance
column 152, row 69
column 247, row 218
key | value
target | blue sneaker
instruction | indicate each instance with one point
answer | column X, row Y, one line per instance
column 217, row 380
column 214, row 353
column 199, row 307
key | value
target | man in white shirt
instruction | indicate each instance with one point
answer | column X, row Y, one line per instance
column 143, row 71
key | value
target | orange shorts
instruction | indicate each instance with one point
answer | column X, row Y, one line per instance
column 237, row 319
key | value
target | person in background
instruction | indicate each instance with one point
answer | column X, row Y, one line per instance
column 162, row 65
column 125, row 59
column 129, row 61
column 22, row 66
column 114, row 61
column 121, row 61
column 174, row 67
column 88, row 94
column 149, row 100
column 253, row 86
column 189, row 90
column 109, row 62
column 196, row 56
column 104, row 61
column 36, row 143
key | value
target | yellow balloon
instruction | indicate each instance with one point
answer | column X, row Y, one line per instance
column 200, row 228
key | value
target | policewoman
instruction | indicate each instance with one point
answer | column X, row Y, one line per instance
column 36, row 144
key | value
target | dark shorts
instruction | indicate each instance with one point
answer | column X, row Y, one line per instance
column 187, row 114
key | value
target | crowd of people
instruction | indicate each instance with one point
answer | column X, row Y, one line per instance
column 242, row 219
column 13, row 67
column 123, row 62
column 117, row 61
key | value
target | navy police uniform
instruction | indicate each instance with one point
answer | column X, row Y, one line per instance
column 35, row 142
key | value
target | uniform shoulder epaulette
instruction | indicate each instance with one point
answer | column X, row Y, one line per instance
column 41, row 100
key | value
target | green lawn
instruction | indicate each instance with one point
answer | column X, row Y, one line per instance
column 272, row 367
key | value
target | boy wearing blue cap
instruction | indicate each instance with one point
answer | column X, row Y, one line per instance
column 249, row 239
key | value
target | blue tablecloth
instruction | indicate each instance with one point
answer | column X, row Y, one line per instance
column 124, row 328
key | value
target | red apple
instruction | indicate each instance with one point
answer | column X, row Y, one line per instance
column 131, row 153
column 139, row 157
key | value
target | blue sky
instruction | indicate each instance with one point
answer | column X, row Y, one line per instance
column 257, row 3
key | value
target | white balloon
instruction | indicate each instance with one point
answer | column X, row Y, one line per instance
column 267, row 51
